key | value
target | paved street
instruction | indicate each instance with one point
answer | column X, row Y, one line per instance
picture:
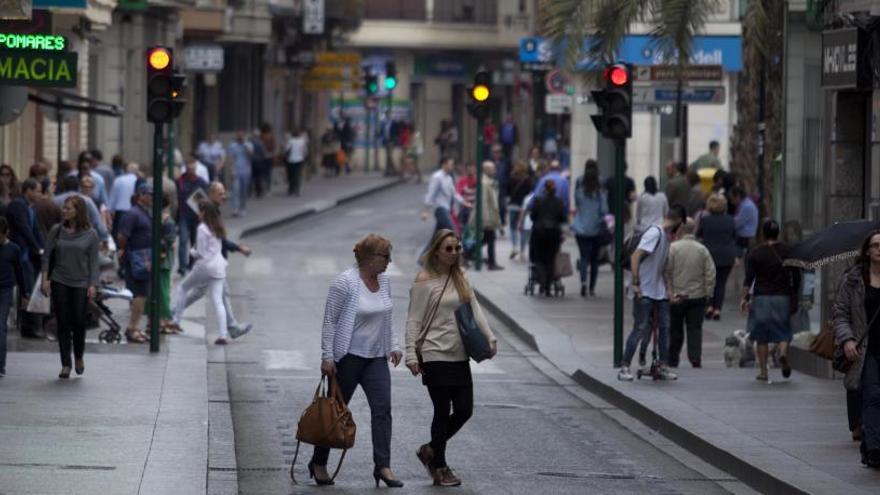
column 528, row 434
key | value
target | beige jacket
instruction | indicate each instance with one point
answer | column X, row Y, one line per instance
column 491, row 218
column 689, row 269
column 442, row 340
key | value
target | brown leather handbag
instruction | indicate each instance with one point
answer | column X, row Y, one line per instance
column 327, row 422
column 823, row 344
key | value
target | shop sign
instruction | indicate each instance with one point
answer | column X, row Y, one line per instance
column 842, row 66
column 47, row 42
column 67, row 4
column 431, row 65
column 203, row 58
column 38, row 68
column 558, row 104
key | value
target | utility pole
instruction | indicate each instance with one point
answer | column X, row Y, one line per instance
column 155, row 273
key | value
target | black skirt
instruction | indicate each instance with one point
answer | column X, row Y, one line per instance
column 446, row 374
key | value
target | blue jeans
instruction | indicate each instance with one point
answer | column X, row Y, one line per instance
column 374, row 377
column 871, row 403
column 642, row 309
column 5, row 306
column 187, row 232
column 515, row 233
column 589, row 249
column 240, row 188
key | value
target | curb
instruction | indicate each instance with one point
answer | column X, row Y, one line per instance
column 747, row 473
column 299, row 215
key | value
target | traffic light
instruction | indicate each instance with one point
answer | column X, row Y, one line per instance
column 615, row 103
column 178, row 93
column 371, row 83
column 160, row 63
column 390, row 76
column 480, row 91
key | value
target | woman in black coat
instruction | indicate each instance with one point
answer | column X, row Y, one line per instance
column 718, row 233
column 548, row 215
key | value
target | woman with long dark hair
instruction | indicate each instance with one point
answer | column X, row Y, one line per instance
column 591, row 207
column 857, row 337
column 548, row 215
column 70, row 275
column 209, row 269
column 435, row 350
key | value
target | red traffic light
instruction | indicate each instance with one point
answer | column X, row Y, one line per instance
column 618, row 75
column 159, row 58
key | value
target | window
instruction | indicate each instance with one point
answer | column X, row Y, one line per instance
column 467, row 11
column 413, row 10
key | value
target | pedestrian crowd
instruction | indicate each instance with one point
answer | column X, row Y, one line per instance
column 66, row 237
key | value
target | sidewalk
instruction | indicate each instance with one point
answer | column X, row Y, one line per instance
column 138, row 423
column 787, row 437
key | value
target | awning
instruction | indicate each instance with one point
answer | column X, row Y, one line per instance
column 64, row 100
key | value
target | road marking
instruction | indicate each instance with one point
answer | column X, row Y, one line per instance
column 275, row 359
column 358, row 212
column 321, row 265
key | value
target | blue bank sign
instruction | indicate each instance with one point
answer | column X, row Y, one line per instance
column 725, row 51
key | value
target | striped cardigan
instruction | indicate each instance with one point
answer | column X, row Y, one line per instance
column 340, row 312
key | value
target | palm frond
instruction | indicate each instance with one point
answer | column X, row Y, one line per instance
column 612, row 22
column 756, row 25
column 676, row 23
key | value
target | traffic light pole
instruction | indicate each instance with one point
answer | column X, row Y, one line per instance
column 369, row 142
column 170, row 145
column 478, row 208
column 155, row 261
column 619, row 201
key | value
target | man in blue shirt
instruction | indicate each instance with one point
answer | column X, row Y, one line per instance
column 135, row 239
column 555, row 175
column 240, row 156
column 120, row 195
column 746, row 217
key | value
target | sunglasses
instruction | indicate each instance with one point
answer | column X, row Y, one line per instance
column 457, row 248
column 874, row 245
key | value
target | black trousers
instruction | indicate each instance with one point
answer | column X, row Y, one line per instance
column 70, row 306
column 446, row 425
column 294, row 172
column 543, row 248
column 721, row 274
column 489, row 241
column 689, row 312
column 854, row 408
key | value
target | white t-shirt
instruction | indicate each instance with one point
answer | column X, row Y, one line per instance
column 652, row 282
column 367, row 340
column 296, row 149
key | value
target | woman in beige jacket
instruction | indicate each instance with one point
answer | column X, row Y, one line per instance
column 435, row 350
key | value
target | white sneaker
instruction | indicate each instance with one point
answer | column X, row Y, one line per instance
column 667, row 374
column 625, row 374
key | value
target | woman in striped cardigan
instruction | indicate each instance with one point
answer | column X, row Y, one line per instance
column 356, row 341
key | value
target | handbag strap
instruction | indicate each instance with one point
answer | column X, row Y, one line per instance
column 868, row 328
column 296, row 454
column 425, row 327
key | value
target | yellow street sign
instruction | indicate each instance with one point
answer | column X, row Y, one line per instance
column 333, row 72
column 338, row 58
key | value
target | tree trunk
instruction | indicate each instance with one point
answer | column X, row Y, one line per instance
column 744, row 142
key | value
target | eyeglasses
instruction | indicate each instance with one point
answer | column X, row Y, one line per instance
column 5, row 174
column 457, row 248
column 874, row 245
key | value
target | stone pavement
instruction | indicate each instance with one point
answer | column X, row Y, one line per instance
column 137, row 422
column 790, row 436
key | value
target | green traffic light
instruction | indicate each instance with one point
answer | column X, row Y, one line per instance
column 372, row 87
column 390, row 83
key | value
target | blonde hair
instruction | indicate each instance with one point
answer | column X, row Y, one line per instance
column 429, row 262
column 370, row 245
column 716, row 203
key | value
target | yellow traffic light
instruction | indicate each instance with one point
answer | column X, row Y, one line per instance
column 159, row 58
column 480, row 92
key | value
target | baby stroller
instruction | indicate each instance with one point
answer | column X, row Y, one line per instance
column 100, row 313
column 562, row 269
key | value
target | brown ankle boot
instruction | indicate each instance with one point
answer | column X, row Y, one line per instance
column 446, row 477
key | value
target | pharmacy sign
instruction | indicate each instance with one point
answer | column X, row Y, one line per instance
column 36, row 60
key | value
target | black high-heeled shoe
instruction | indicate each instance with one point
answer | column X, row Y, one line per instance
column 389, row 482
column 80, row 367
column 324, row 482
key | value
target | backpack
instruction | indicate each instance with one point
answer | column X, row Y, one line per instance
column 631, row 244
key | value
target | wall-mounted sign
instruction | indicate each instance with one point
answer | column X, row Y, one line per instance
column 842, row 66
column 68, row 4
column 17, row 41
column 38, row 68
column 203, row 58
column 313, row 16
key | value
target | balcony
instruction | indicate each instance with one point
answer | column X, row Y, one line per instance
column 448, row 11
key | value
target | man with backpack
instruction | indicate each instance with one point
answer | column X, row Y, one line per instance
column 649, row 286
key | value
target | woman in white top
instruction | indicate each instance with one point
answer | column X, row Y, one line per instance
column 651, row 206
column 356, row 342
column 209, row 269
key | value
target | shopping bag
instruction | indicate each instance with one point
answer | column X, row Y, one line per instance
column 39, row 303
column 562, row 266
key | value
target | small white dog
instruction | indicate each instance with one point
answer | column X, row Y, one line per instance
column 738, row 350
